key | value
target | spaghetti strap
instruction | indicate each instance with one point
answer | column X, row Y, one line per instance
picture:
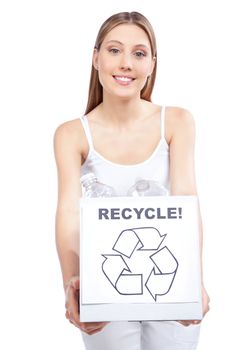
column 162, row 122
column 87, row 131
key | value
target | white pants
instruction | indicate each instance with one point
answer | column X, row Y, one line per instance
column 157, row 335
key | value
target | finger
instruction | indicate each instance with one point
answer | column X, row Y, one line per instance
column 89, row 328
column 73, row 306
column 73, row 323
column 67, row 314
column 92, row 327
column 74, row 282
column 196, row 322
column 92, row 330
column 186, row 323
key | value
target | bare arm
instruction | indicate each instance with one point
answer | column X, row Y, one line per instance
column 182, row 168
column 68, row 155
column 68, row 160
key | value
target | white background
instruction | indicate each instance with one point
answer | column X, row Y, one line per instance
column 45, row 63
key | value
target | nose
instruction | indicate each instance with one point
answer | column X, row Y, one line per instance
column 126, row 62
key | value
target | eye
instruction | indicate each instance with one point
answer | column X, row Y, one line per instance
column 140, row 54
column 114, row 50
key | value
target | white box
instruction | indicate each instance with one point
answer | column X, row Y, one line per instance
column 140, row 259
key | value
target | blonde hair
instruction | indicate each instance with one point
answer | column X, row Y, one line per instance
column 95, row 95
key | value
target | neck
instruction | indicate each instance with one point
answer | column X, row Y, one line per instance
column 122, row 111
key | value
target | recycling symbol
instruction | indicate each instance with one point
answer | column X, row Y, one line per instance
column 144, row 243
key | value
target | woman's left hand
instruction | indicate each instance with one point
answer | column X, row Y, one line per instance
column 205, row 306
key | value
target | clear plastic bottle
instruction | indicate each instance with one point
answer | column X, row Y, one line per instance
column 147, row 188
column 94, row 188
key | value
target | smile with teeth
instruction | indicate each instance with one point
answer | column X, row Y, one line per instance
column 123, row 79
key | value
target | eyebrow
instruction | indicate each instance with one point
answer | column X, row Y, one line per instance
column 119, row 42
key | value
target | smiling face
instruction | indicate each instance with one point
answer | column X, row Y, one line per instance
column 124, row 61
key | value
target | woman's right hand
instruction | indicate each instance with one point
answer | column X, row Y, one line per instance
column 72, row 308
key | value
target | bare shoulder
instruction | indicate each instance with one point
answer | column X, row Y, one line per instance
column 179, row 120
column 69, row 130
column 178, row 115
column 69, row 135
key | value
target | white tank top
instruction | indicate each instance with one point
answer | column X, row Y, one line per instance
column 121, row 177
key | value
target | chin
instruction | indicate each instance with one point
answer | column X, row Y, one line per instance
column 126, row 95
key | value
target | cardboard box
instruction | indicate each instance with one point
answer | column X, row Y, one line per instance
column 140, row 259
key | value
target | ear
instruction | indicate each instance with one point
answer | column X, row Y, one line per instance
column 153, row 64
column 95, row 58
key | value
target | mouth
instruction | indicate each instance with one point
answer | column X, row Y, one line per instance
column 123, row 80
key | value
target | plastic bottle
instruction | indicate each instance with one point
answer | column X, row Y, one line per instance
column 147, row 188
column 94, row 188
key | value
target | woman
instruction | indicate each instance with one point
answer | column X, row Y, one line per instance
column 122, row 136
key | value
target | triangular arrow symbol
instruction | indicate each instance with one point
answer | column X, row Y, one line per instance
column 150, row 238
column 159, row 284
column 113, row 266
